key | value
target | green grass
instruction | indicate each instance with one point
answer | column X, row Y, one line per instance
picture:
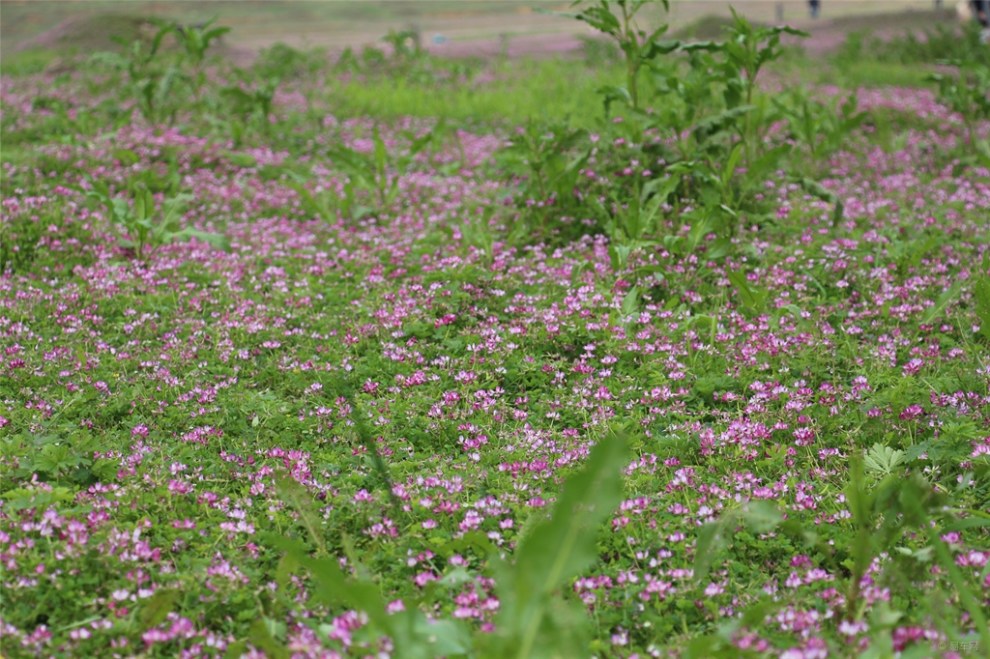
column 29, row 62
column 877, row 74
column 865, row 72
column 521, row 92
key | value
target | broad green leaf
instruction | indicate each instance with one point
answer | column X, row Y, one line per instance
column 630, row 303
column 948, row 296
column 981, row 303
column 711, row 540
column 531, row 622
column 761, row 516
column 215, row 240
column 752, row 298
column 612, row 93
column 441, row 637
column 757, row 516
column 334, row 586
column 731, row 163
column 563, row 545
column 661, row 188
column 156, row 608
column 236, row 650
column 718, row 249
column 261, row 637
column 295, row 495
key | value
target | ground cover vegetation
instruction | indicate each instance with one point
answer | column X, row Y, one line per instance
column 659, row 352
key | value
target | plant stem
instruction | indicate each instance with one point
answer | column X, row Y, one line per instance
column 632, row 56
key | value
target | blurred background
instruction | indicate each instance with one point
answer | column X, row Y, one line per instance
column 461, row 27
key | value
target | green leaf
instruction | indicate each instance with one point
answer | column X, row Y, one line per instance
column 442, row 637
column 981, row 303
column 261, row 636
column 601, row 18
column 156, row 608
column 731, row 163
column 948, row 296
column 127, row 157
column 971, row 601
column 295, row 495
column 419, row 143
column 661, row 188
column 242, row 160
column 630, row 303
column 757, row 516
column 968, row 523
column 456, row 577
column 711, row 540
column 380, row 151
column 751, row 298
column 767, row 164
column 715, row 124
column 718, row 249
column 761, row 516
column 530, row 621
column 837, row 213
column 656, row 47
column 883, row 459
column 562, row 546
column 336, row 588
column 236, row 650
column 163, row 31
column 612, row 93
column 706, row 46
column 816, row 189
column 216, row 240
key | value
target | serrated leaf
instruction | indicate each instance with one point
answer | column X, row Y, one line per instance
column 883, row 459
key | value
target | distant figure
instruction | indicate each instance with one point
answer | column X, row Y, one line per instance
column 981, row 11
column 815, row 6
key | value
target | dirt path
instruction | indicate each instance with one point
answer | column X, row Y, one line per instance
column 511, row 28
column 525, row 32
column 825, row 37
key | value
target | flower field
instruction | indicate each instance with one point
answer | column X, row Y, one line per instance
column 699, row 371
